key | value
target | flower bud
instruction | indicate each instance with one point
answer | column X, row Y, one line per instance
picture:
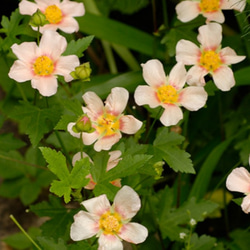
column 38, row 19
column 82, row 72
column 83, row 124
column 158, row 167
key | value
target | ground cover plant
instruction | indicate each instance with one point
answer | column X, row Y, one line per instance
column 125, row 124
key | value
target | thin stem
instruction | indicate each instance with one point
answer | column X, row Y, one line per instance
column 165, row 15
column 24, row 232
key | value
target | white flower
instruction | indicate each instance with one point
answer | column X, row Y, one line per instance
column 168, row 92
column 210, row 9
column 108, row 121
column 193, row 222
column 112, row 162
column 110, row 223
column 183, row 235
column 59, row 14
column 41, row 64
column 239, row 181
column 209, row 58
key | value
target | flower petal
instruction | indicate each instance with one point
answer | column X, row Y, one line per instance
column 20, row 72
column 27, row 7
column 233, row 4
column 238, row 180
column 127, row 202
column 89, row 138
column 195, row 76
column 70, row 130
column 114, row 159
column 117, row 100
column 193, row 98
column 177, row 76
column 47, row 86
column 106, row 142
column 245, row 205
column 65, row 65
column 216, row 16
column 68, row 25
column 84, row 226
column 187, row 52
column 26, row 51
column 171, row 115
column 134, row 233
column 146, row 95
column 153, row 73
column 109, row 242
column 210, row 35
column 97, row 205
column 129, row 124
column 224, row 78
column 184, row 15
column 94, row 105
column 229, row 56
column 78, row 156
column 72, row 8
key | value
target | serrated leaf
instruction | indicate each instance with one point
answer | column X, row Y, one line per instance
column 204, row 242
column 50, row 244
column 9, row 142
column 167, row 146
column 78, row 47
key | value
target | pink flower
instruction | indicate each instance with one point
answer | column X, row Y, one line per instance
column 168, row 92
column 209, row 58
column 108, row 121
column 41, row 64
column 210, row 9
column 112, row 162
column 110, row 223
column 59, row 14
column 239, row 181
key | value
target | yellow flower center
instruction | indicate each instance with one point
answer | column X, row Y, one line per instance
column 43, row 66
column 108, row 124
column 167, row 94
column 209, row 5
column 210, row 60
column 53, row 14
column 110, row 223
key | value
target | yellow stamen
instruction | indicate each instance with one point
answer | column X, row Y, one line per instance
column 210, row 60
column 108, row 124
column 53, row 14
column 209, row 5
column 167, row 94
column 43, row 66
column 110, row 223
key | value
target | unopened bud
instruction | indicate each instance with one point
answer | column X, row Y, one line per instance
column 82, row 72
column 83, row 124
column 38, row 19
column 158, row 167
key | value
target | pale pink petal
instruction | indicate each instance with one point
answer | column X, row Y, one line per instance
column 72, row 8
column 78, row 156
column 109, row 242
column 52, row 44
column 171, row 115
column 116, row 183
column 106, row 142
column 94, row 105
column 216, row 16
column 91, row 185
column 114, row 159
column 27, row 7
column 245, row 205
column 127, row 202
column 85, row 226
column 184, row 15
column 239, row 180
column 195, row 76
column 210, row 36
column 70, row 130
column 153, row 73
column 47, row 86
column 187, row 52
column 116, row 101
column 20, row 71
column 97, row 205
column 233, row 4
column 177, row 76
column 25, row 51
column 65, row 65
column 229, row 56
column 146, row 95
column 133, row 232
column 89, row 138
column 193, row 98
column 224, row 78
column 68, row 25
column 129, row 124
column 45, row 3
column 49, row 27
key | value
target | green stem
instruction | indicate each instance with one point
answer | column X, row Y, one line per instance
column 110, row 57
column 24, row 232
column 165, row 15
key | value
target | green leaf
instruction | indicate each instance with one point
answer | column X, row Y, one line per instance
column 50, row 244
column 166, row 145
column 9, row 142
column 78, row 47
column 204, row 242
